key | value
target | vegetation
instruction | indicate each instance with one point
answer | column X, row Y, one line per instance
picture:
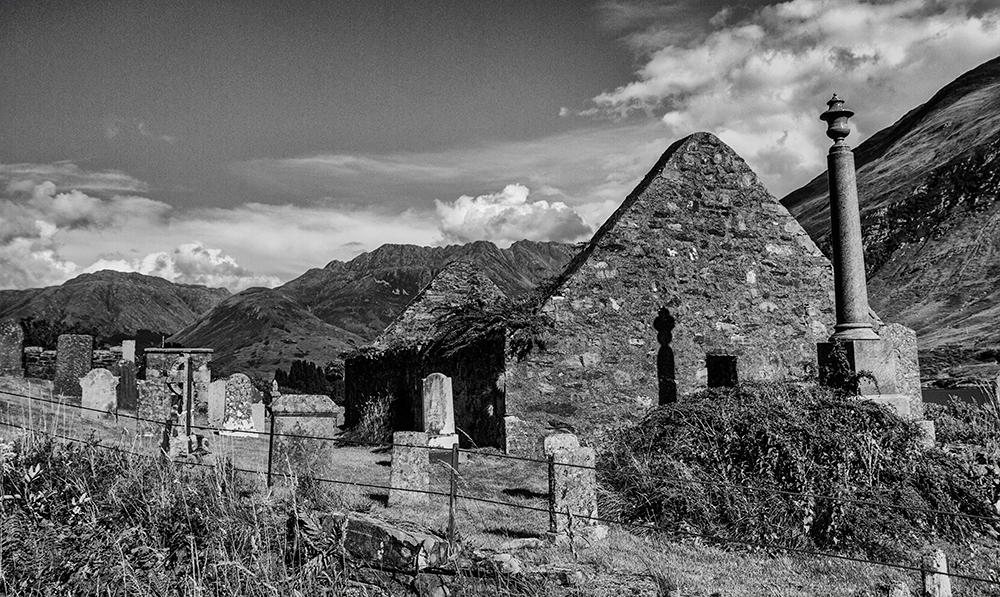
column 709, row 448
column 304, row 377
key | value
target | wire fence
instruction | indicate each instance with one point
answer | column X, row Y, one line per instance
column 453, row 495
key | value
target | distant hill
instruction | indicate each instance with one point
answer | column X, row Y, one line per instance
column 110, row 302
column 326, row 311
column 929, row 187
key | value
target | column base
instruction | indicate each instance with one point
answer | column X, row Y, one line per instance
column 853, row 331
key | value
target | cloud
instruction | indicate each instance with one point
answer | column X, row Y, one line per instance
column 507, row 216
column 115, row 126
column 67, row 176
column 190, row 263
column 759, row 78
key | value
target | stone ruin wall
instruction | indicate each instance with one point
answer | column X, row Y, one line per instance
column 478, row 389
column 41, row 364
column 705, row 239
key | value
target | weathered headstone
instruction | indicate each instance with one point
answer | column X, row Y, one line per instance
column 217, row 403
column 74, row 359
column 315, row 415
column 410, row 474
column 128, row 390
column 98, row 392
column 128, row 351
column 240, row 396
column 11, row 348
column 572, row 489
column 439, row 411
column 258, row 416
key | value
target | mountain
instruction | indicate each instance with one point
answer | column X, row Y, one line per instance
column 110, row 302
column 929, row 187
column 346, row 304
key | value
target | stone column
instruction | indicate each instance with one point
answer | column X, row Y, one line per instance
column 853, row 321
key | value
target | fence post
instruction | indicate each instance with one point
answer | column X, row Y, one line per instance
column 937, row 583
column 553, row 523
column 188, row 402
column 270, row 447
column 452, row 498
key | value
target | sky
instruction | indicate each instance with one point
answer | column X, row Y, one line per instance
column 240, row 143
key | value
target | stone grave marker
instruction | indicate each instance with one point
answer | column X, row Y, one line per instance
column 98, row 391
column 573, row 489
column 74, row 359
column 128, row 390
column 217, row 403
column 410, row 469
column 240, row 396
column 439, row 411
column 128, row 351
column 11, row 348
column 556, row 441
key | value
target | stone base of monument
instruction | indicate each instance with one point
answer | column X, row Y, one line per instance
column 581, row 536
column 443, row 441
column 876, row 360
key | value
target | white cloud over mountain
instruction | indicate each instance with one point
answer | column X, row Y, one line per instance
column 758, row 79
column 507, row 216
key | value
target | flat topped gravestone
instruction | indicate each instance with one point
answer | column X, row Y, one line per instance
column 128, row 351
column 74, row 359
column 557, row 441
column 98, row 392
column 572, row 489
column 11, row 348
column 410, row 474
column 439, row 411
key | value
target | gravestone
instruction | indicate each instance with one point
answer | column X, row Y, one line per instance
column 98, row 392
column 74, row 359
column 314, row 415
column 11, row 348
column 410, row 469
column 128, row 390
column 240, row 396
column 572, row 490
column 128, row 351
column 217, row 403
column 439, row 411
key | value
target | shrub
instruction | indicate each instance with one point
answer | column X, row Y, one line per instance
column 710, row 448
column 375, row 426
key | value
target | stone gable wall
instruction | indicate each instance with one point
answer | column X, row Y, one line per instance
column 704, row 238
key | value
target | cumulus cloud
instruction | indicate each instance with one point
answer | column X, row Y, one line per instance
column 190, row 263
column 507, row 216
column 759, row 78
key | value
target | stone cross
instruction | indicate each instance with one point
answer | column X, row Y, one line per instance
column 11, row 348
column 850, row 285
column 439, row 410
column 410, row 469
column 98, row 392
column 74, row 359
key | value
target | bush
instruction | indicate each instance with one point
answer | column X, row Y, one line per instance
column 375, row 426
column 796, row 440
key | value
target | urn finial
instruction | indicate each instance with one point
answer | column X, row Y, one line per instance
column 836, row 119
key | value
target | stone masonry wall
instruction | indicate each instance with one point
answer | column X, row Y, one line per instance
column 701, row 236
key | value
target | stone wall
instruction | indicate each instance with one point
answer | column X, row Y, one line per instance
column 41, row 364
column 702, row 237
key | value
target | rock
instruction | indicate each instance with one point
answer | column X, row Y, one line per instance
column 524, row 543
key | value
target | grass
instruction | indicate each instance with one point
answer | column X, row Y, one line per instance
column 83, row 519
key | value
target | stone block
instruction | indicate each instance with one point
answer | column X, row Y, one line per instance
column 11, row 348
column 128, row 351
column 937, row 583
column 573, row 489
column 74, row 359
column 258, row 414
column 217, row 403
column 410, row 474
column 557, row 441
column 859, row 356
column 240, row 396
column 898, row 403
column 98, row 392
column 901, row 347
column 379, row 544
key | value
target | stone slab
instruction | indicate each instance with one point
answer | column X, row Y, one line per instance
column 128, row 389
column 11, row 348
column 98, row 393
column 74, row 358
column 573, row 489
column 438, row 405
column 410, row 469
column 557, row 441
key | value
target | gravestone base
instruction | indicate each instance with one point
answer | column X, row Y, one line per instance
column 583, row 536
column 445, row 441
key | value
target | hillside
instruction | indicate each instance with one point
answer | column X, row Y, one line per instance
column 110, row 302
column 929, row 187
column 347, row 304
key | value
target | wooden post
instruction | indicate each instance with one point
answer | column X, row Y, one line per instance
column 270, row 446
column 452, row 499
column 553, row 523
column 188, row 401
